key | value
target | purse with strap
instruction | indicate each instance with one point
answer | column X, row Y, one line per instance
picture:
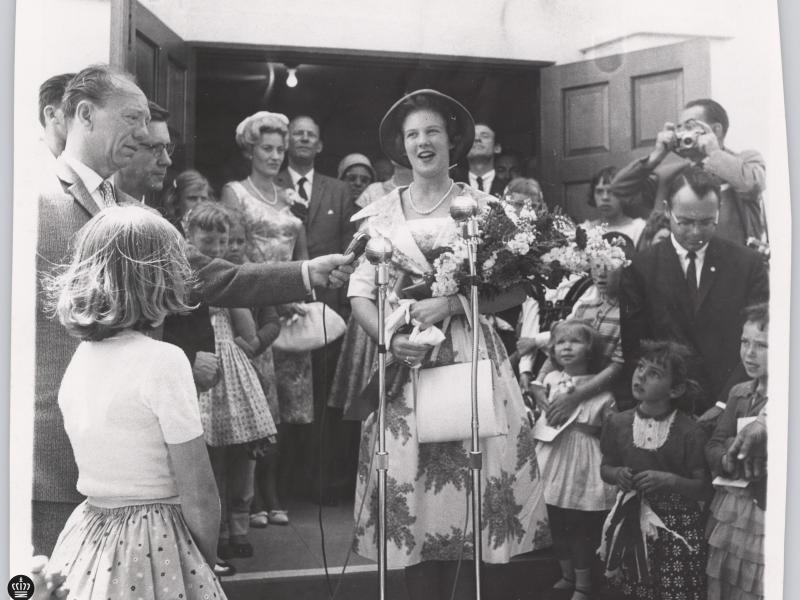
column 443, row 401
column 306, row 332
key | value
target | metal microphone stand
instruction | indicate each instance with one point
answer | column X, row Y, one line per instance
column 464, row 210
column 379, row 252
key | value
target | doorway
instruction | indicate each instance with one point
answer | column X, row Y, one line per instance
column 347, row 94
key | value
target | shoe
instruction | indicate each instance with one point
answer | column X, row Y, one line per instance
column 224, row 569
column 224, row 551
column 259, row 520
column 278, row 517
column 241, row 549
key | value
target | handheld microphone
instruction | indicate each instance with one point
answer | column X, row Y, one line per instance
column 357, row 245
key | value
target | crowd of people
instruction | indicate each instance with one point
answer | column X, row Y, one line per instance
column 622, row 390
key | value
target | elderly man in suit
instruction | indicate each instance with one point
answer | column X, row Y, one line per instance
column 106, row 116
column 692, row 287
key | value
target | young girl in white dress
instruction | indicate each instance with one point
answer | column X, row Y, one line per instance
column 576, row 496
column 149, row 525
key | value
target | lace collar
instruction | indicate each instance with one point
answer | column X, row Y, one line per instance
column 650, row 433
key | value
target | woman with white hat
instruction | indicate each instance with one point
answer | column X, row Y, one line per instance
column 428, row 131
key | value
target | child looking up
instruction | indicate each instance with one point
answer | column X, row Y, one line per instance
column 654, row 454
column 236, row 418
column 577, row 498
column 150, row 522
column 736, row 526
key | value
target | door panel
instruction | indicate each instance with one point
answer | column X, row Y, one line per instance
column 143, row 45
column 607, row 111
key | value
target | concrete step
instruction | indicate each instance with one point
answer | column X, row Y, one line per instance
column 521, row 579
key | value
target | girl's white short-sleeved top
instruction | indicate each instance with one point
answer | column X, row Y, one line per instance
column 123, row 400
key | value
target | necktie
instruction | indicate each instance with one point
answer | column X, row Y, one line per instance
column 691, row 277
column 480, row 183
column 301, row 188
column 107, row 193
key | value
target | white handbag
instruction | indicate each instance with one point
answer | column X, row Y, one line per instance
column 443, row 402
column 306, row 332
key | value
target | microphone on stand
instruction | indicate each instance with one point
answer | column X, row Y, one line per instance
column 378, row 251
column 464, row 210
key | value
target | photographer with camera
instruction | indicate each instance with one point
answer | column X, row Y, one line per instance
column 699, row 139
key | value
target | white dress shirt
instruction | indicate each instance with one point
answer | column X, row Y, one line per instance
column 700, row 258
column 90, row 179
column 487, row 178
column 309, row 183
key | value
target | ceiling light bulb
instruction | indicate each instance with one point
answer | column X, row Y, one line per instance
column 291, row 79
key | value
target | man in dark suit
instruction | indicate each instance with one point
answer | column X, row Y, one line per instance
column 328, row 229
column 482, row 175
column 107, row 116
column 693, row 287
column 146, row 171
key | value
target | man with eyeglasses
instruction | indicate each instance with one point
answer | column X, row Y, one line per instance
column 692, row 288
column 148, row 167
column 698, row 138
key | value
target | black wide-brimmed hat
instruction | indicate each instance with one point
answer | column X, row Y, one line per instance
column 391, row 128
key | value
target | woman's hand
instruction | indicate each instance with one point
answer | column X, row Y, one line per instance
column 298, row 308
column 525, row 345
column 624, row 478
column 654, row 481
column 561, row 408
column 729, row 466
column 408, row 352
column 430, row 311
column 247, row 347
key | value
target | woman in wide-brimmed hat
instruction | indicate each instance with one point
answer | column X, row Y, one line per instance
column 427, row 483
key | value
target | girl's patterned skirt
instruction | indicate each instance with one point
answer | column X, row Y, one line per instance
column 736, row 546
column 141, row 551
column 675, row 564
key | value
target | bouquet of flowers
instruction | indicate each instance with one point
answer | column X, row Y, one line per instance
column 510, row 253
column 592, row 245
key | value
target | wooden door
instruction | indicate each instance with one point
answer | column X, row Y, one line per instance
column 164, row 68
column 607, row 111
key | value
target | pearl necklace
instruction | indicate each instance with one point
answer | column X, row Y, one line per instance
column 435, row 206
column 261, row 196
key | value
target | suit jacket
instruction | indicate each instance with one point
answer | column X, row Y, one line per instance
column 743, row 175
column 497, row 188
column 655, row 305
column 328, row 226
column 62, row 212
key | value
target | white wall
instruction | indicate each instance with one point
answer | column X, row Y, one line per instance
column 52, row 36
column 551, row 30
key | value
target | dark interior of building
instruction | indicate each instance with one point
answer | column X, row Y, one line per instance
column 347, row 96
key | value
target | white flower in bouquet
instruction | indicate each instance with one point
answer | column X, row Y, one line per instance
column 445, row 267
column 489, row 263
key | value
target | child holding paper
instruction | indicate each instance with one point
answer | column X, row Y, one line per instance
column 576, row 496
column 736, row 526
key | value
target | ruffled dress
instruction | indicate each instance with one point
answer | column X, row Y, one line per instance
column 735, row 528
